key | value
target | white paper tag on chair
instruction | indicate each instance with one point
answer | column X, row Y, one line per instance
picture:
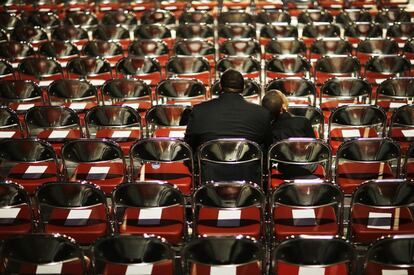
column 186, row 103
column 78, row 217
column 6, row 134
column 132, row 105
column 408, row 133
column 223, row 270
column 378, row 220
column 98, row 173
column 77, row 105
column 34, row 172
column 59, row 134
column 304, row 217
column 139, row 269
column 395, row 105
column 121, row 134
column 311, row 270
column 97, row 82
column 350, row 133
column 176, row 134
column 228, row 218
column 380, row 80
column 24, row 107
column 394, row 272
column 147, row 81
column 8, row 215
column 49, row 268
column 151, row 216
column 45, row 83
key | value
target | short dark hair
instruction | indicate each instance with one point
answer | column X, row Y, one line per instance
column 273, row 101
column 232, row 81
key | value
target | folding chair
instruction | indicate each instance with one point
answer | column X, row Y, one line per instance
column 230, row 160
column 315, row 15
column 364, row 159
column 401, row 32
column 20, row 95
column 329, row 46
column 318, row 30
column 99, row 161
column 81, row 19
column 150, row 208
column 229, row 209
column 185, row 91
column 127, row 254
column 195, row 31
column 284, row 46
column 240, row 47
column 402, row 127
column 95, row 69
column 251, row 92
column 375, row 47
column 348, row 16
column 26, row 33
column 154, row 32
column 379, row 68
column 336, row 66
column 329, row 256
column 15, row 51
column 234, row 31
column 145, row 69
column 248, row 66
column 409, row 163
column 163, row 159
column 357, row 32
column 151, row 48
column 78, row 210
column 111, row 51
column 76, row 35
column 306, row 208
column 189, row 67
column 62, row 51
column 277, row 31
column 298, row 158
column 26, row 254
column 299, row 91
column 10, row 126
column 287, row 66
column 28, row 162
column 40, row 70
column 223, row 255
column 381, row 208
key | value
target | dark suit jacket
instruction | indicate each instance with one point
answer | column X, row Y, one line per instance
column 228, row 116
column 287, row 126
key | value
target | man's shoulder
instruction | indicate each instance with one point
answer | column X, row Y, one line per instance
column 205, row 104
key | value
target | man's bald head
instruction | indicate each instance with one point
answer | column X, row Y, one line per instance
column 275, row 101
column 232, row 81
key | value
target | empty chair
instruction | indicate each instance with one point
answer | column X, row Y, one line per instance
column 313, row 114
column 163, row 159
column 386, row 16
column 379, row 68
column 229, row 209
column 195, row 31
column 374, row 47
column 114, row 33
column 180, row 91
column 75, row 35
column 342, row 91
column 150, row 208
column 235, row 17
column 74, row 209
column 381, row 208
column 354, row 121
column 124, row 18
column 298, row 158
column 196, row 47
column 251, row 92
column 402, row 127
column 235, row 5
column 329, row 46
column 40, row 70
column 95, row 69
column 392, row 254
column 189, row 67
column 154, row 32
column 143, row 49
column 55, row 124
column 20, row 95
column 15, row 51
column 401, row 32
column 314, row 15
column 196, row 17
column 336, row 66
column 284, row 46
column 408, row 49
column 348, row 16
column 277, row 31
column 6, row 71
column 125, row 254
column 359, row 31
column 26, row 33
column 266, row 17
column 364, row 159
column 249, row 67
column 26, row 254
column 81, row 19
column 10, row 126
column 29, row 162
column 43, row 19
column 233, row 31
column 62, row 51
column 158, row 16
column 287, row 66
column 230, row 160
column 317, row 30
column 223, row 255
column 393, row 93
column 329, row 255
column 409, row 163
column 99, row 161
column 240, row 47
column 119, row 123
column 9, row 21
column 298, row 90
column 167, row 120
column 15, row 207
column 109, row 50
column 146, row 69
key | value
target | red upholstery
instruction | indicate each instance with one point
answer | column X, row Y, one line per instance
column 158, row 268
column 373, row 268
column 409, row 167
column 278, row 178
column 20, row 225
column 57, row 143
column 336, row 137
column 242, row 269
column 124, row 142
column 397, row 134
column 169, row 132
column 291, row 269
column 68, row 268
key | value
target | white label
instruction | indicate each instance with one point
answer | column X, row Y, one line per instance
column 147, row 81
column 77, row 106
column 24, row 107
column 97, row 82
column 176, row 134
column 350, row 133
column 183, row 103
column 408, row 133
column 45, row 83
column 412, row 61
column 401, row 45
column 380, row 80
column 379, row 220
column 336, row 6
column 397, row 104
column 229, row 218
column 121, row 134
column 139, row 269
column 9, row 213
column 223, row 270
column 78, row 217
column 150, row 216
column 132, row 105
column 96, row 173
column 49, row 268
column 311, row 270
column 59, row 134
column 6, row 134
column 35, row 169
column 304, row 217
column 394, row 272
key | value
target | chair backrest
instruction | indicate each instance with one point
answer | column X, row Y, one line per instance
column 403, row 117
column 194, row 47
column 148, row 48
column 290, row 65
column 119, row 17
column 401, row 30
column 40, row 68
column 181, row 89
column 187, row 65
column 363, row 30
column 196, row 17
column 283, row 46
column 71, row 90
column 353, row 15
column 224, row 254
column 378, row 46
column 167, row 116
column 26, row 254
column 240, row 47
column 88, row 66
column 251, row 88
column 157, row 16
column 9, row 119
column 19, row 91
column 346, row 88
column 152, row 31
column 320, row 30
column 330, row 46
column 233, row 17
column 111, row 32
column 247, row 66
column 138, row 67
column 13, row 195
column 103, row 49
column 338, row 65
column 124, row 90
column 272, row 16
column 386, row 16
column 195, row 31
column 295, row 88
column 81, row 19
column 279, row 31
column 398, row 88
column 125, row 253
column 58, row 49
column 230, row 160
column 409, row 162
column 369, row 149
column 314, row 15
column 387, row 64
column 14, row 50
column 70, row 33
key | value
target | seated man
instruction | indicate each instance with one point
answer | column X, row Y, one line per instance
column 228, row 116
column 284, row 124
